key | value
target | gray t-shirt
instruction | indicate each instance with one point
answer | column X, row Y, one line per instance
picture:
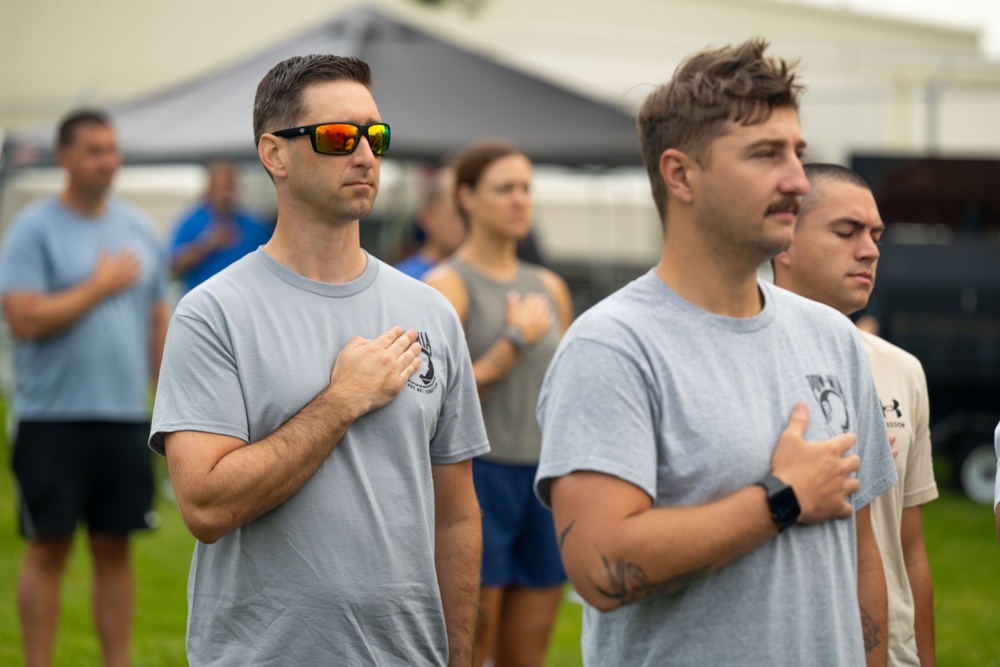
column 343, row 571
column 98, row 368
column 688, row 406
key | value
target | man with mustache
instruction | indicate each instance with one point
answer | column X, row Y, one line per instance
column 319, row 452
column 708, row 513
column 832, row 259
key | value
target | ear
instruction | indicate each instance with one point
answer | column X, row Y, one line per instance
column 782, row 259
column 676, row 170
column 271, row 155
column 464, row 196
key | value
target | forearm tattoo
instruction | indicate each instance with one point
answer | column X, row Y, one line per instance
column 869, row 630
column 628, row 582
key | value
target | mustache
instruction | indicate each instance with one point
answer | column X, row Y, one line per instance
column 787, row 203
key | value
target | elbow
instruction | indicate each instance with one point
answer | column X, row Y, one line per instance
column 594, row 594
column 22, row 328
column 601, row 602
column 206, row 527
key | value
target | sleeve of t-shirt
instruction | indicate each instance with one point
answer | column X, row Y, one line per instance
column 460, row 432
column 920, row 486
column 996, row 487
column 199, row 387
column 878, row 471
column 596, row 414
column 23, row 261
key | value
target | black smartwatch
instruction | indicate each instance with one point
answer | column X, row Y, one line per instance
column 514, row 336
column 781, row 498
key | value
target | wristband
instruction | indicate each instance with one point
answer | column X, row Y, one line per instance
column 514, row 336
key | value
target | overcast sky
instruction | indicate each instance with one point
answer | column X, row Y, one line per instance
column 983, row 15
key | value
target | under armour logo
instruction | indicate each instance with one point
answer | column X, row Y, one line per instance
column 893, row 408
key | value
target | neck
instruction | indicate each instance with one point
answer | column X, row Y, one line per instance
column 715, row 284
column 221, row 212
column 84, row 202
column 434, row 253
column 493, row 255
column 324, row 253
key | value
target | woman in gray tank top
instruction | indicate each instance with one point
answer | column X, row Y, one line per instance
column 514, row 314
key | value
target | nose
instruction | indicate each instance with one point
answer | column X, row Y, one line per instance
column 868, row 248
column 363, row 154
column 795, row 181
column 522, row 196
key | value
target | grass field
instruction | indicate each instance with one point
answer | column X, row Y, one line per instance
column 963, row 551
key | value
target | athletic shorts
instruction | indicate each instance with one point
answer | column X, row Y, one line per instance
column 96, row 472
column 519, row 538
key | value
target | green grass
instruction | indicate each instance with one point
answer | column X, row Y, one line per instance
column 962, row 547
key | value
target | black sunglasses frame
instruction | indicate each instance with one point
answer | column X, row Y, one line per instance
column 310, row 131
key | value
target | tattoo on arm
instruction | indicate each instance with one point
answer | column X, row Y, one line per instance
column 628, row 582
column 562, row 535
column 870, row 630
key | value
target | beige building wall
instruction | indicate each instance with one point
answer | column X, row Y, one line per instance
column 874, row 84
column 869, row 77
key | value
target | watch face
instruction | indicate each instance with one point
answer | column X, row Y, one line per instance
column 784, row 507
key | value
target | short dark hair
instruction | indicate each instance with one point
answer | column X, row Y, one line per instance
column 278, row 103
column 66, row 133
column 708, row 90
column 823, row 172
column 473, row 161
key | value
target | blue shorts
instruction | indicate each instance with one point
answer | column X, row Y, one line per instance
column 519, row 538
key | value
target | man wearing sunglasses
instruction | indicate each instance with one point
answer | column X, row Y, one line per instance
column 319, row 415
column 709, row 513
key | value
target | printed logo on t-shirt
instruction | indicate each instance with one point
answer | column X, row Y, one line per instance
column 890, row 410
column 827, row 390
column 424, row 380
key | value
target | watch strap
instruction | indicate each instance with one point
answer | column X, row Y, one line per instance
column 782, row 501
column 514, row 336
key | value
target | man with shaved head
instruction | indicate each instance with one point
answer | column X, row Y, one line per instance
column 832, row 259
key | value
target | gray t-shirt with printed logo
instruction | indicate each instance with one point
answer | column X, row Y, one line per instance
column 688, row 406
column 343, row 571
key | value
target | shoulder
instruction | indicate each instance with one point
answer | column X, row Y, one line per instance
column 31, row 223
column 621, row 315
column 553, row 282
column 195, row 215
column 241, row 285
column 44, row 209
column 446, row 279
column 808, row 311
column 888, row 354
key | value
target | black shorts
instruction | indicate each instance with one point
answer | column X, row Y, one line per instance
column 98, row 472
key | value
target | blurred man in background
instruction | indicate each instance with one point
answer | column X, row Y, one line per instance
column 83, row 290
column 216, row 232
column 832, row 260
column 438, row 220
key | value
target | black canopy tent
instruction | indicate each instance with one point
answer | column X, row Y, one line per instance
column 436, row 96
